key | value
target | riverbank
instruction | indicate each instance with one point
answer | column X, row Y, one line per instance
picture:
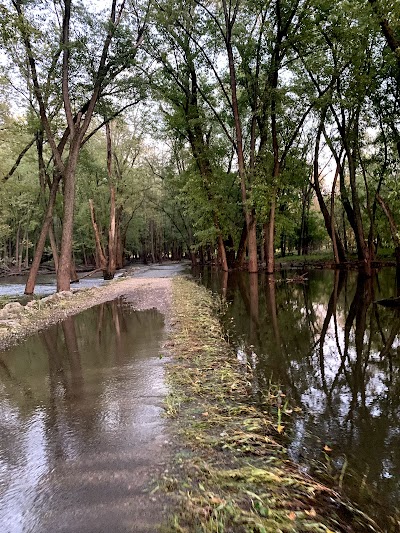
column 233, row 473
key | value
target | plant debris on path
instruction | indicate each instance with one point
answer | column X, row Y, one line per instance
column 234, row 474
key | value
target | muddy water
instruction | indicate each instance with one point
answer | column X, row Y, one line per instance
column 81, row 434
column 335, row 353
column 14, row 286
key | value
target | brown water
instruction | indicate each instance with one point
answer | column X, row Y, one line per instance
column 81, row 434
column 335, row 353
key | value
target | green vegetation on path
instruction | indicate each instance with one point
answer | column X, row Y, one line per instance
column 234, row 473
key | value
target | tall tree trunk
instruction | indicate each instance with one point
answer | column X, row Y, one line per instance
column 201, row 255
column 119, row 248
column 328, row 218
column 241, row 253
column 262, row 250
column 393, row 227
column 151, row 228
column 53, row 245
column 248, row 211
column 17, row 245
column 102, row 261
column 73, row 276
column 112, row 245
column 26, row 248
column 222, row 254
column 364, row 252
column 112, row 248
column 31, row 281
column 120, row 238
column 333, row 232
column 193, row 258
column 64, row 268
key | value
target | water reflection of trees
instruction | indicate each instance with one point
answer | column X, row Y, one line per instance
column 336, row 351
column 60, row 389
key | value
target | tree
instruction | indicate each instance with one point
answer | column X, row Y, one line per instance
column 81, row 95
column 180, row 86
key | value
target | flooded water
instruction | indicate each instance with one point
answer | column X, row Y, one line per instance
column 14, row 286
column 46, row 284
column 335, row 353
column 81, row 432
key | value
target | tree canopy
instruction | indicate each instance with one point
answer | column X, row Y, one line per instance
column 232, row 131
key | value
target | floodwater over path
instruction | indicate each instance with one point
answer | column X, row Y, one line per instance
column 14, row 286
column 45, row 284
column 335, row 354
column 81, row 433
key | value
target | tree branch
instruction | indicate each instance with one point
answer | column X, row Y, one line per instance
column 18, row 160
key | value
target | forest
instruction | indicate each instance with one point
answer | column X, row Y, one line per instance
column 228, row 131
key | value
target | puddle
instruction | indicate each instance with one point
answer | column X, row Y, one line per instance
column 81, row 433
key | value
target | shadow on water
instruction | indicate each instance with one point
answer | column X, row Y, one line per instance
column 80, row 423
column 335, row 353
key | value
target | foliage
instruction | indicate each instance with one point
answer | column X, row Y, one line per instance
column 296, row 63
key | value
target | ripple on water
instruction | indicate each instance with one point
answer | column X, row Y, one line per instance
column 80, row 422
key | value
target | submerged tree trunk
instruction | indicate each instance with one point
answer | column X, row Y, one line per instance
column 269, row 232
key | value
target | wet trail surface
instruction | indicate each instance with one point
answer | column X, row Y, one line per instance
column 161, row 270
column 82, row 437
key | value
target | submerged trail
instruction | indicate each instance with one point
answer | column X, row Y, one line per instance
column 83, row 437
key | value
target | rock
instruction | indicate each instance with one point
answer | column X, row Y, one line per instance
column 32, row 303
column 13, row 308
column 9, row 323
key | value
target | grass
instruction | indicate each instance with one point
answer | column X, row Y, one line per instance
column 233, row 473
column 310, row 258
column 5, row 300
column 384, row 254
